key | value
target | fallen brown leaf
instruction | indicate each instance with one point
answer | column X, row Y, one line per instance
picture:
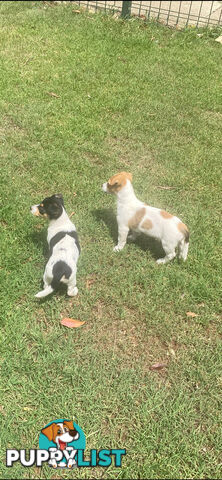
column 191, row 314
column 71, row 323
column 38, row 226
column 71, row 214
column 158, row 366
column 172, row 352
column 122, row 59
column 90, row 281
column 76, row 11
column 52, row 94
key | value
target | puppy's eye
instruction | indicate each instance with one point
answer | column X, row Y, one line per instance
column 113, row 184
column 59, row 431
column 41, row 209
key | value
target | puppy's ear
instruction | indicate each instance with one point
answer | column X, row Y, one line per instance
column 129, row 176
column 72, row 430
column 59, row 197
column 69, row 424
column 113, row 182
column 48, row 431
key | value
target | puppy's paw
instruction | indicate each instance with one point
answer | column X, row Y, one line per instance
column 117, row 248
column 71, row 463
column 160, row 261
column 72, row 291
column 38, row 295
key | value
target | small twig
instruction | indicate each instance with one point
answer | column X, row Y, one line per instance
column 165, row 188
column 28, row 60
column 52, row 94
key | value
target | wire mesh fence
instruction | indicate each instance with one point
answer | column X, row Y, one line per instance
column 172, row 13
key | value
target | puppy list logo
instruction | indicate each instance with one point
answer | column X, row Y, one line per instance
column 62, row 444
column 62, row 438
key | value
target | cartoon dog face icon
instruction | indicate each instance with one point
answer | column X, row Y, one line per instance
column 61, row 433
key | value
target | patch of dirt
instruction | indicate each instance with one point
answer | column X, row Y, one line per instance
column 212, row 114
column 4, row 224
column 9, row 126
column 128, row 339
column 144, row 159
column 94, row 159
column 41, row 318
column 90, row 280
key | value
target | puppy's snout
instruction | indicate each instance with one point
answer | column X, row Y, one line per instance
column 74, row 434
column 34, row 210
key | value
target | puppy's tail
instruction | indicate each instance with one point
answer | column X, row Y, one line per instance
column 44, row 292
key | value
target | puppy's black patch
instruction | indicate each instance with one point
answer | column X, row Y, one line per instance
column 59, row 270
column 59, row 236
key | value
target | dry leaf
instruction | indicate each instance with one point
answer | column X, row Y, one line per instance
column 172, row 352
column 71, row 214
column 74, row 194
column 90, row 281
column 122, row 59
column 76, row 11
column 158, row 366
column 38, row 226
column 52, row 94
column 27, row 409
column 71, row 323
column 191, row 314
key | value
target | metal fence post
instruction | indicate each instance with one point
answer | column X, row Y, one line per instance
column 126, row 8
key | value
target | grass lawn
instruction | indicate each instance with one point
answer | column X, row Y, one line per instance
column 145, row 99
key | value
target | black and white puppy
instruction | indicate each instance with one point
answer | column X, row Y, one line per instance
column 63, row 244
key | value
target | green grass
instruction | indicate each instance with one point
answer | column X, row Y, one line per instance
column 131, row 96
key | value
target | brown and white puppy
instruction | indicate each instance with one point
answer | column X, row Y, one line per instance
column 132, row 214
column 61, row 434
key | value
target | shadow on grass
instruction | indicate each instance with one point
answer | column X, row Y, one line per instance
column 107, row 216
column 144, row 242
column 39, row 239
